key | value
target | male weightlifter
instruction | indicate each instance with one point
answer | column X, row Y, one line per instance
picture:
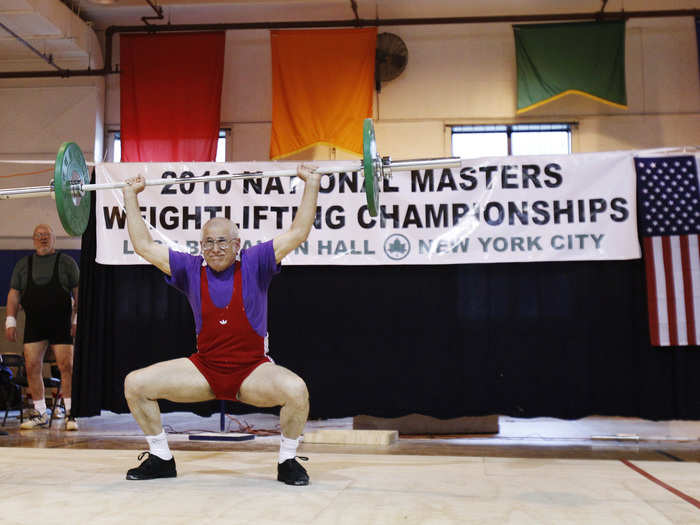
column 229, row 302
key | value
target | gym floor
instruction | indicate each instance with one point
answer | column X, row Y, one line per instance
column 592, row 470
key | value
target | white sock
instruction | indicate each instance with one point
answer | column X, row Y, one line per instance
column 288, row 448
column 158, row 446
column 40, row 406
column 66, row 403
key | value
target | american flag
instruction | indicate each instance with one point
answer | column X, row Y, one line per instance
column 669, row 222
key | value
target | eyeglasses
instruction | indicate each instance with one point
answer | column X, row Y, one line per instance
column 42, row 236
column 221, row 244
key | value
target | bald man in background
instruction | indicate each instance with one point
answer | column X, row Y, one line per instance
column 45, row 285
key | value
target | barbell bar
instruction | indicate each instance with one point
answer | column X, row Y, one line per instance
column 71, row 182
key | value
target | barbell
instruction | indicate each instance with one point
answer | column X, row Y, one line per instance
column 71, row 181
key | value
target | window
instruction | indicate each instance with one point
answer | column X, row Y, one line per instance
column 513, row 139
column 115, row 145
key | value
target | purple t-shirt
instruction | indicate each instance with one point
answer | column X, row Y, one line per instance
column 258, row 267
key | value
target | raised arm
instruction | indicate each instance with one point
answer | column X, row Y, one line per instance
column 304, row 219
column 144, row 245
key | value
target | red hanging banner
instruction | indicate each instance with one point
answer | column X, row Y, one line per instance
column 170, row 87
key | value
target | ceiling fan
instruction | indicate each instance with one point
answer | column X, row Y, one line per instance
column 391, row 58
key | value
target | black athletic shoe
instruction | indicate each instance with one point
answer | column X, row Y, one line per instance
column 292, row 473
column 153, row 467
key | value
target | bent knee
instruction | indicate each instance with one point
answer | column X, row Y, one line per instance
column 134, row 385
column 297, row 392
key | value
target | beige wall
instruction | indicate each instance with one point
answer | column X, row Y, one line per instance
column 36, row 117
column 456, row 74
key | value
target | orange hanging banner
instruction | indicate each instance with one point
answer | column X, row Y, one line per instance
column 322, row 82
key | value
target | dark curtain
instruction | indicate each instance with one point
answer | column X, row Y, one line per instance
column 531, row 339
column 536, row 339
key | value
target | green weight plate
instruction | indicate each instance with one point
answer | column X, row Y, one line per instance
column 73, row 210
column 370, row 166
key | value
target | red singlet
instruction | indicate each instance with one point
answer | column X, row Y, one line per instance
column 228, row 349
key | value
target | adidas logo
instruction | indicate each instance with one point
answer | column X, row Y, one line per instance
column 223, row 321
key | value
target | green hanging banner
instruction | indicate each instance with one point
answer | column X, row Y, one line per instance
column 554, row 60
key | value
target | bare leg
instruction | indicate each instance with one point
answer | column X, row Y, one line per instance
column 34, row 361
column 175, row 380
column 64, row 360
column 272, row 385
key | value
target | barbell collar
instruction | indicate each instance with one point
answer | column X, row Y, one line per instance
column 386, row 167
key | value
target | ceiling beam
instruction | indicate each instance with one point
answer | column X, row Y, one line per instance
column 179, row 28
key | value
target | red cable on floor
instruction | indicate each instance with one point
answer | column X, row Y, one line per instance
column 246, row 428
column 672, row 490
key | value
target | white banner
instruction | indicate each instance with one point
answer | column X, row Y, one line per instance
column 500, row 209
